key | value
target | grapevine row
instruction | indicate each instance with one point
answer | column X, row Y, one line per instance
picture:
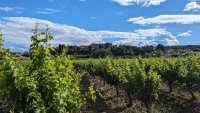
column 142, row 78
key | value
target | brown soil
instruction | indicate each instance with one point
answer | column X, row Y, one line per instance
column 108, row 102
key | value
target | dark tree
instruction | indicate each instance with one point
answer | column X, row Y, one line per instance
column 120, row 51
column 71, row 50
column 60, row 48
column 101, row 53
column 160, row 47
column 25, row 54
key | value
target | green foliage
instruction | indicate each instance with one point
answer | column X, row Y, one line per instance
column 4, row 53
column 102, row 53
column 193, row 66
column 47, row 84
column 122, row 51
column 131, row 76
column 156, row 53
column 160, row 47
column 141, row 77
column 147, row 85
column 192, row 76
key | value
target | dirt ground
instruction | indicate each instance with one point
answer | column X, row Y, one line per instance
column 108, row 102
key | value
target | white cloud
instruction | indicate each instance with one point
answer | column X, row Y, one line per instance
column 51, row 10
column 145, row 3
column 185, row 34
column 47, row 11
column 17, row 32
column 151, row 37
column 165, row 19
column 192, row 6
column 44, row 12
column 9, row 9
column 6, row 9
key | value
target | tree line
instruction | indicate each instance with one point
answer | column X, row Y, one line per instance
column 113, row 51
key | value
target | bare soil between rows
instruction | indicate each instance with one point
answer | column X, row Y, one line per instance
column 108, row 102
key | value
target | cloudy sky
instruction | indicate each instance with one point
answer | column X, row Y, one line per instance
column 82, row 22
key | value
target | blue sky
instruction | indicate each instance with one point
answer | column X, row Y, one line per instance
column 82, row 22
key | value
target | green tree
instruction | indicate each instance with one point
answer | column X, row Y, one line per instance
column 101, row 53
column 160, row 47
column 120, row 51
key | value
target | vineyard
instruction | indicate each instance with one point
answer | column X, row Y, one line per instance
column 45, row 84
column 53, row 84
column 143, row 78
